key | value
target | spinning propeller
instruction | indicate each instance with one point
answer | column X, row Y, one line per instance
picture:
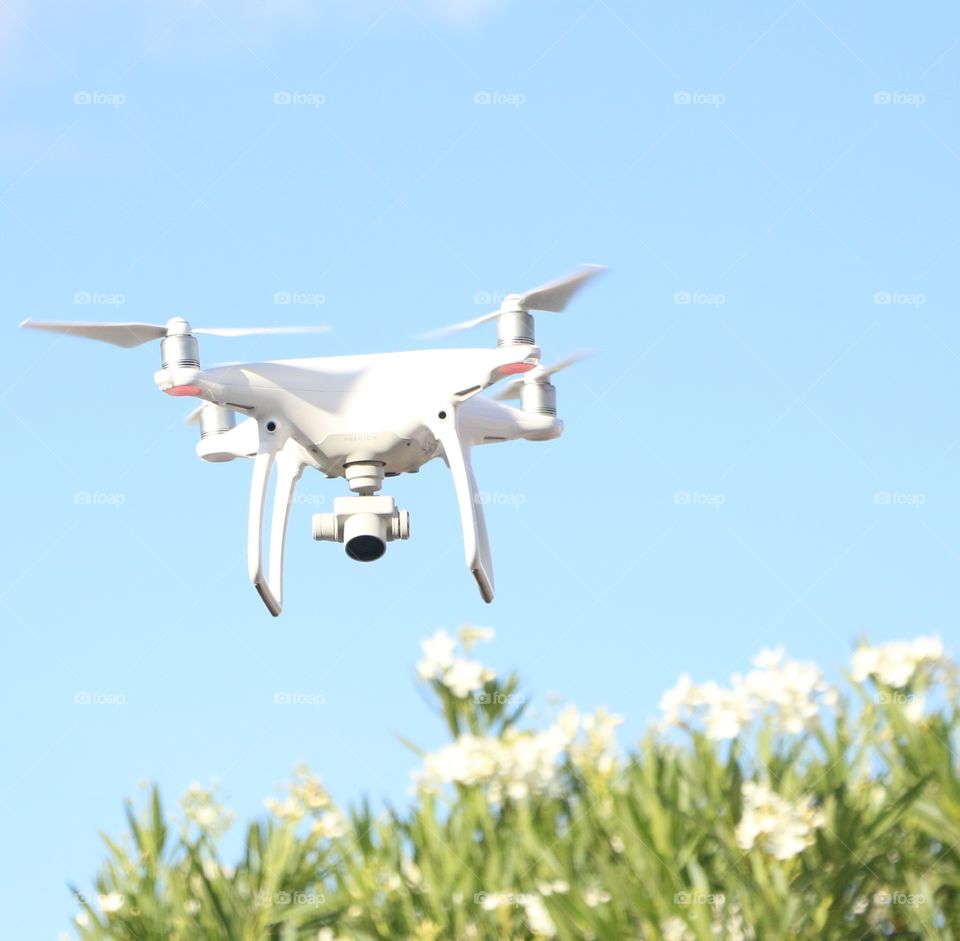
column 539, row 376
column 552, row 297
column 129, row 335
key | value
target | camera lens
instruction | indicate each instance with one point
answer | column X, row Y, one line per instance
column 364, row 537
column 365, row 548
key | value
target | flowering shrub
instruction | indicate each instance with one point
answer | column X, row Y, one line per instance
column 776, row 807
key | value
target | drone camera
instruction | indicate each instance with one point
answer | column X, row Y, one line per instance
column 364, row 525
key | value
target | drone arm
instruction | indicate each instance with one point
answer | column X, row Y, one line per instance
column 475, row 541
column 289, row 469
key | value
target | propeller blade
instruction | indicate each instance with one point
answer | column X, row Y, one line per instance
column 510, row 391
column 556, row 295
column 259, row 331
column 127, row 335
column 540, row 374
column 553, row 297
column 194, row 417
column 571, row 360
column 458, row 327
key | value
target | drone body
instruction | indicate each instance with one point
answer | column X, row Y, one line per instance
column 363, row 418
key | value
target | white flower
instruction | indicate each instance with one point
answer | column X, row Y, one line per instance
column 191, row 907
column 331, row 826
column 728, row 713
column 568, row 723
column 675, row 929
column 470, row 635
column 463, row 677
column 914, row 707
column 289, row 810
column 600, row 727
column 897, row 664
column 110, row 903
column 677, row 699
column 769, row 658
column 775, row 825
column 595, row 896
column 512, row 767
column 438, row 655
column 82, row 919
column 789, row 693
column 538, row 918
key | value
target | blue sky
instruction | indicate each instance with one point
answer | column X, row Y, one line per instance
column 765, row 451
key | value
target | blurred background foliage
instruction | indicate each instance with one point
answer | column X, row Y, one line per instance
column 774, row 807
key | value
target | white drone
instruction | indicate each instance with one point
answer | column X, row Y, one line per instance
column 362, row 418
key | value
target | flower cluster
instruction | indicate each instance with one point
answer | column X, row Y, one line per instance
column 902, row 662
column 790, row 694
column 775, row 825
column 538, row 919
column 460, row 675
column 726, row 924
column 201, row 807
column 514, row 765
column 306, row 796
